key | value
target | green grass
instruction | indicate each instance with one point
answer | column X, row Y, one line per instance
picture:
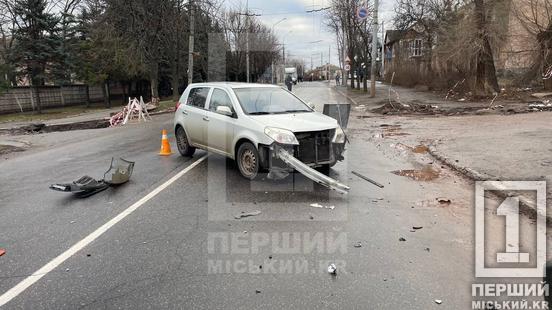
column 50, row 114
column 58, row 113
column 166, row 104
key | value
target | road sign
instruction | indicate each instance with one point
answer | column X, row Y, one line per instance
column 347, row 60
column 347, row 67
column 362, row 13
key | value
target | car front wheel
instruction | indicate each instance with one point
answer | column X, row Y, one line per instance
column 248, row 160
column 183, row 144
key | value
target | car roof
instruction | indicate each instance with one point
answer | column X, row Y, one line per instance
column 233, row 85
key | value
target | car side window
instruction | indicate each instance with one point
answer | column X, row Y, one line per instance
column 198, row 97
column 220, row 98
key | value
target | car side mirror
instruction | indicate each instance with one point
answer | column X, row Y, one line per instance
column 224, row 110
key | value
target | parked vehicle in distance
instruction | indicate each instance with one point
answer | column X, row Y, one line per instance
column 251, row 122
column 293, row 72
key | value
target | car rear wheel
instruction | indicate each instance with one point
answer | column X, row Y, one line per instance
column 248, row 160
column 182, row 143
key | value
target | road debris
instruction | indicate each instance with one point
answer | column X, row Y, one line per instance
column 332, row 269
column 427, row 249
column 417, row 227
column 401, row 239
column 257, row 291
column 2, row 251
column 540, row 106
column 119, row 172
column 438, row 301
column 444, row 201
column 247, row 214
column 367, row 179
column 541, row 95
column 316, row 205
column 358, row 245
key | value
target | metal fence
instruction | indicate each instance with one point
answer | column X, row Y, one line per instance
column 21, row 99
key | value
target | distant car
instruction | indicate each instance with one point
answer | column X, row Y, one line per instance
column 251, row 122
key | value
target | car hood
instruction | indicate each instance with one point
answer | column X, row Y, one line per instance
column 297, row 122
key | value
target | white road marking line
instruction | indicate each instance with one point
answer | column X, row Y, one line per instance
column 37, row 275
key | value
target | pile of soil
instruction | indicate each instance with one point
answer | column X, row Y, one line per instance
column 394, row 107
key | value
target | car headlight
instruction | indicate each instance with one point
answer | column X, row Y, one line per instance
column 282, row 136
column 339, row 136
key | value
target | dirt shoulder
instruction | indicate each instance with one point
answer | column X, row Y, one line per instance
column 492, row 147
column 398, row 100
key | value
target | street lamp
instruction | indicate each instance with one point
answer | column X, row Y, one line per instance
column 276, row 23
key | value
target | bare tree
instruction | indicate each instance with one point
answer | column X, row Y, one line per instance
column 535, row 17
column 354, row 36
column 262, row 43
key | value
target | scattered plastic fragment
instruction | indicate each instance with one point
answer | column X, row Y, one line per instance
column 417, row 227
column 119, row 172
column 444, row 200
column 401, row 239
column 358, row 245
column 438, row 301
column 257, row 291
column 248, row 214
column 332, row 269
column 316, row 205
column 2, row 251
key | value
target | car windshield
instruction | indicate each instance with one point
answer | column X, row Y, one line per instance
column 269, row 100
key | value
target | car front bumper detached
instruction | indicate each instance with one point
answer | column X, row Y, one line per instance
column 309, row 172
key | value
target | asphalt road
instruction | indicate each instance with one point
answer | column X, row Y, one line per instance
column 184, row 249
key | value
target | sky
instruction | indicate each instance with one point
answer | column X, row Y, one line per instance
column 300, row 29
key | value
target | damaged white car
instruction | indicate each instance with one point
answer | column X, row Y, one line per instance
column 261, row 127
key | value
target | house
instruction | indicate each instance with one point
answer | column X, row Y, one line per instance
column 405, row 54
column 409, row 56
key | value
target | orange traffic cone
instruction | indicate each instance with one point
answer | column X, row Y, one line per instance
column 165, row 145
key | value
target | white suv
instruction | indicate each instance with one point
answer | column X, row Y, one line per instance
column 250, row 122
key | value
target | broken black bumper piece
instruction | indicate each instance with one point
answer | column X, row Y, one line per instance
column 119, row 172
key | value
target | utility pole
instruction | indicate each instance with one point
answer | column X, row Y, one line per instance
column 375, row 26
column 247, row 39
column 382, row 49
column 284, row 54
column 329, row 54
column 274, row 25
column 191, row 44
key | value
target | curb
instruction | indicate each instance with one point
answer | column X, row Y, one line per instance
column 526, row 206
column 43, row 128
column 346, row 96
column 82, row 125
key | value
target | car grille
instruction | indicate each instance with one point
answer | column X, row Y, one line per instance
column 314, row 147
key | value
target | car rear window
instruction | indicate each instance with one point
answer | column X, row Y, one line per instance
column 198, row 97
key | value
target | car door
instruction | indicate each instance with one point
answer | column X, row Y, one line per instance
column 195, row 115
column 220, row 127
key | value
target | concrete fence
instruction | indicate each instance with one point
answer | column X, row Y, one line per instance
column 21, row 99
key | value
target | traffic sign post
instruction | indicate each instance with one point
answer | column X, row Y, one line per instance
column 347, row 67
column 362, row 13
